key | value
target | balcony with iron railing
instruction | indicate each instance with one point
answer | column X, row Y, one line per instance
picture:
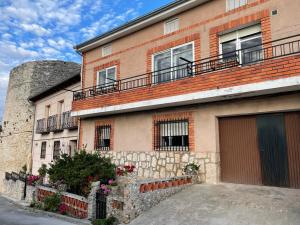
column 57, row 123
column 244, row 66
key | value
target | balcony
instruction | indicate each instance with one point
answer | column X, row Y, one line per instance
column 42, row 127
column 69, row 122
column 57, row 123
column 272, row 60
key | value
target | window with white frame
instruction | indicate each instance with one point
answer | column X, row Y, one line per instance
column 43, row 150
column 106, row 50
column 172, row 135
column 171, row 26
column 56, row 150
column 245, row 45
column 233, row 4
column 106, row 76
column 172, row 63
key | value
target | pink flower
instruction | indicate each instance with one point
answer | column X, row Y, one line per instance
column 110, row 182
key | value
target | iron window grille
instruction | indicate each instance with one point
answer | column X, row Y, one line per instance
column 56, row 150
column 171, row 135
column 43, row 150
column 103, row 140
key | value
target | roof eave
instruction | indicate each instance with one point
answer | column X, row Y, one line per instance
column 139, row 23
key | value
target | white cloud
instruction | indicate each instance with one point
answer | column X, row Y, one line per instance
column 35, row 28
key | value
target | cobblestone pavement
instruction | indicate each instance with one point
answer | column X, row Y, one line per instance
column 10, row 214
column 226, row 204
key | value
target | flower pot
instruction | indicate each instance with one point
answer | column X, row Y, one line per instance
column 161, row 185
column 174, row 183
column 142, row 188
column 155, row 186
column 180, row 182
column 148, row 187
column 169, row 184
column 189, row 180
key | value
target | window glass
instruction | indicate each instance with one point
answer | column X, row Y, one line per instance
column 56, row 150
column 173, row 135
column 185, row 52
column 162, row 64
column 109, row 73
column 43, row 150
column 229, row 49
column 103, row 137
column 251, row 48
column 233, row 4
column 171, row 26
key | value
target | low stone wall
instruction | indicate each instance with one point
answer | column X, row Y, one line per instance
column 132, row 196
column 77, row 206
column 169, row 164
column 13, row 189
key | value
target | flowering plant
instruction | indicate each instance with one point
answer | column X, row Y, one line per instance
column 105, row 189
column 122, row 171
column 32, row 179
column 63, row 209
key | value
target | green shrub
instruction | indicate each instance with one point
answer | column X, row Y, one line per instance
column 37, row 205
column 52, row 202
column 43, row 170
column 108, row 221
column 78, row 171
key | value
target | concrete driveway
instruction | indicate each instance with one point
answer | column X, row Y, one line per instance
column 226, row 204
column 10, row 214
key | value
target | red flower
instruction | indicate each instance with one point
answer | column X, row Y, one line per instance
column 63, row 209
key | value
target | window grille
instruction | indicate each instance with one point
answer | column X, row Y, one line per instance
column 171, row 135
column 103, row 138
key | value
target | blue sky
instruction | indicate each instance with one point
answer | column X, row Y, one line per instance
column 48, row 29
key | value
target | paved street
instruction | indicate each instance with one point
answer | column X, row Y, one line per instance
column 10, row 214
column 226, row 204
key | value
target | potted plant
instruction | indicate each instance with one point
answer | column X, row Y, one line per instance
column 191, row 169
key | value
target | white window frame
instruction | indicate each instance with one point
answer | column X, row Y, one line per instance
column 235, row 7
column 106, row 48
column 172, row 49
column 106, row 80
column 238, row 40
column 176, row 20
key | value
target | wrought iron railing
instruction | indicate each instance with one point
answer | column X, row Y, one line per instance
column 57, row 123
column 266, row 51
column 42, row 126
column 69, row 122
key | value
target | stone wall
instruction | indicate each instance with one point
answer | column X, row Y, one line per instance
column 18, row 120
column 169, row 164
column 13, row 189
column 134, row 196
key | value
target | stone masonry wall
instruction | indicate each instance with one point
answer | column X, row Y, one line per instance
column 169, row 164
column 18, row 120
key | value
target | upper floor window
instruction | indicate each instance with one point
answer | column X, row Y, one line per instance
column 106, row 76
column 177, row 58
column 43, row 150
column 56, row 150
column 172, row 135
column 47, row 111
column 171, row 26
column 244, row 45
column 106, row 50
column 233, row 4
column 103, row 139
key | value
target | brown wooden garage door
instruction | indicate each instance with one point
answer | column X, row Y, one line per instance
column 249, row 149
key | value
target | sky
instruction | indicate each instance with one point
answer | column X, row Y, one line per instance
column 48, row 29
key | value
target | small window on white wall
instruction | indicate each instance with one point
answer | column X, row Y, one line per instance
column 106, row 50
column 233, row 4
column 171, row 26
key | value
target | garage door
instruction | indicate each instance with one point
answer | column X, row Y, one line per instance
column 261, row 149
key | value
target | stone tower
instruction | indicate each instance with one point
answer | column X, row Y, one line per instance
column 26, row 80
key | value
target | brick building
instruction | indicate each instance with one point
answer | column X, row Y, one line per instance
column 215, row 82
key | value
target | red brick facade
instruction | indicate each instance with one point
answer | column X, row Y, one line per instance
column 75, row 207
column 107, row 65
column 262, row 17
column 267, row 70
